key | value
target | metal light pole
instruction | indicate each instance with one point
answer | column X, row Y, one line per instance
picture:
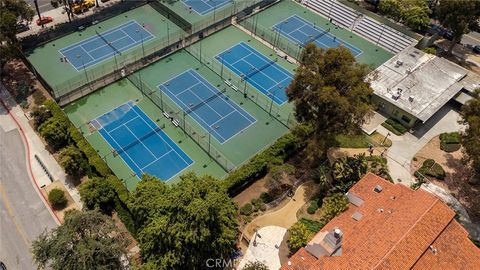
column 83, row 66
column 141, row 36
column 214, row 9
column 168, row 32
column 221, row 58
column 383, row 142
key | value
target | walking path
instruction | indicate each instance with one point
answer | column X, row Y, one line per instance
column 285, row 217
column 265, row 247
column 405, row 147
column 37, row 148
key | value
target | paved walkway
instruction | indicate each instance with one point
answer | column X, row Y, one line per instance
column 36, row 148
column 405, row 147
column 265, row 247
column 285, row 217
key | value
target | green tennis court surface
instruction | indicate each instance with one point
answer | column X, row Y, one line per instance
column 267, row 24
column 59, row 74
column 93, row 106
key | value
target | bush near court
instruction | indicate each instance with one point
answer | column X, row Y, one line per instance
column 262, row 163
column 394, row 126
column 63, row 137
column 430, row 168
column 450, row 142
column 57, row 198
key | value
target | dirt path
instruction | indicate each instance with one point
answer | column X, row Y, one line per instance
column 285, row 217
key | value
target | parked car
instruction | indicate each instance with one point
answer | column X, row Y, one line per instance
column 21, row 27
column 476, row 49
column 2, row 266
column 44, row 20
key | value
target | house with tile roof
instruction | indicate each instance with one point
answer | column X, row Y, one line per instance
column 389, row 226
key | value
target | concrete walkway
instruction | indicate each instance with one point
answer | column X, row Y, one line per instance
column 36, row 148
column 265, row 247
column 405, row 147
column 285, row 217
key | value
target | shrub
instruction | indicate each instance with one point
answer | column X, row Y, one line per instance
column 394, row 126
column 430, row 50
column 312, row 225
column 266, row 197
column 40, row 115
column 98, row 193
column 430, row 168
column 428, row 163
column 258, row 166
column 55, row 132
column 312, row 208
column 450, row 142
column 57, row 198
column 246, row 210
column 73, row 161
column 255, row 266
column 299, row 236
column 38, row 97
column 258, row 205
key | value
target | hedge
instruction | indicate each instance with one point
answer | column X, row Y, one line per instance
column 394, row 126
column 99, row 165
column 312, row 208
column 93, row 157
column 432, row 169
column 258, row 166
column 450, row 142
column 247, row 209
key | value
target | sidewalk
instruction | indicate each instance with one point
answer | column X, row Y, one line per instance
column 36, row 148
column 60, row 16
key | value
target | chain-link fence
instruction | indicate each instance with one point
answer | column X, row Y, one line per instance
column 282, row 114
column 202, row 138
column 272, row 36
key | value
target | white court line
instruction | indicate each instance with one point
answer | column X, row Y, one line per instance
column 266, row 60
column 156, row 159
column 119, row 126
column 209, row 86
column 108, row 56
column 187, row 89
column 343, row 41
column 201, row 118
column 223, row 117
column 167, row 143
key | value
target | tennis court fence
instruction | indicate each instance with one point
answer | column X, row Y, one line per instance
column 202, row 138
column 283, row 115
column 272, row 37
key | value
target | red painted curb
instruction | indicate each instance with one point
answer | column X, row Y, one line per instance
column 24, row 137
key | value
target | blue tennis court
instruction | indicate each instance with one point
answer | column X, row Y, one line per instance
column 142, row 144
column 258, row 70
column 303, row 32
column 103, row 46
column 208, row 106
column 204, row 7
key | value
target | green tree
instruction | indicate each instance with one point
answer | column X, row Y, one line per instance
column 40, row 115
column 299, row 236
column 10, row 12
column 86, row 240
column 471, row 137
column 98, row 193
column 148, row 200
column 57, row 198
column 255, row 266
column 457, row 16
column 196, row 221
column 330, row 94
column 332, row 206
column 55, row 132
column 73, row 161
column 414, row 13
column 347, row 171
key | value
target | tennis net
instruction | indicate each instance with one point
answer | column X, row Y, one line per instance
column 138, row 140
column 191, row 109
column 316, row 36
column 256, row 70
column 108, row 42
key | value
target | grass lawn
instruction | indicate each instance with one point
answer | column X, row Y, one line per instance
column 362, row 140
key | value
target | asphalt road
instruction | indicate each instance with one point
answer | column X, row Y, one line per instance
column 23, row 215
column 472, row 38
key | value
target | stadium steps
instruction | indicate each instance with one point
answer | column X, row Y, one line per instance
column 366, row 27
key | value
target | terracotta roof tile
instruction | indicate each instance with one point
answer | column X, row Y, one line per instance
column 397, row 226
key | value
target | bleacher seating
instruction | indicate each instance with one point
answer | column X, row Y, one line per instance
column 376, row 32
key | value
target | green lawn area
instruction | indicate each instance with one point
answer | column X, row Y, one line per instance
column 362, row 140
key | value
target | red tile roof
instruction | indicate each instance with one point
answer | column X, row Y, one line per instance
column 400, row 229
